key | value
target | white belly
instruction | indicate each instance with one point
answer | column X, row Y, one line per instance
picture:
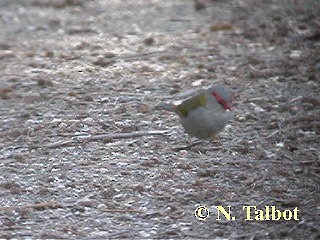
column 205, row 123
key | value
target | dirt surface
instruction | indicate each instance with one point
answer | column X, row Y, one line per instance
column 86, row 154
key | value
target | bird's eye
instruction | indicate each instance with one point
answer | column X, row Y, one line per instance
column 220, row 101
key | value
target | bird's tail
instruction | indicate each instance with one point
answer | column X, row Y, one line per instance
column 166, row 106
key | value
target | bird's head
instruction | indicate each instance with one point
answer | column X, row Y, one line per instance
column 222, row 95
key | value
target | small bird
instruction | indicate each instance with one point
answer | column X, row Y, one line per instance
column 207, row 113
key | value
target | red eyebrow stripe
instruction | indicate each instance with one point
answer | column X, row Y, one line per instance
column 220, row 100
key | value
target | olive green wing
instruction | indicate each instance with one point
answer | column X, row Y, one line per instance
column 190, row 104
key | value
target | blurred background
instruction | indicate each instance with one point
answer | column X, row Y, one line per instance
column 72, row 70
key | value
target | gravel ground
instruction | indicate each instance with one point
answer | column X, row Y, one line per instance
column 86, row 154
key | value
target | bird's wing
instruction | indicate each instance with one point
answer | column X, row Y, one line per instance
column 190, row 104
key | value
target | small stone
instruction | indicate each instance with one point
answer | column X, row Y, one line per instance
column 149, row 41
column 102, row 62
column 44, row 82
column 4, row 92
column 260, row 153
column 295, row 54
column 6, row 54
column 88, row 98
column 199, row 5
column 49, row 54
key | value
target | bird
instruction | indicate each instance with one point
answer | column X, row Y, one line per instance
column 206, row 114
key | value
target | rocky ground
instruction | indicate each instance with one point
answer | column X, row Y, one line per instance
column 85, row 153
